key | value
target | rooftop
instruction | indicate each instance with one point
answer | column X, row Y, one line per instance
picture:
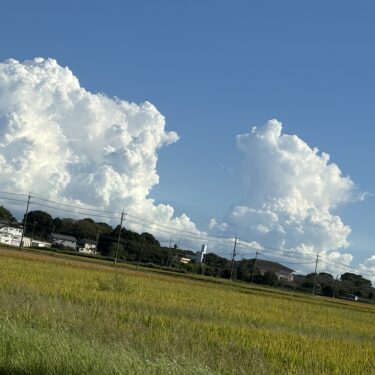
column 271, row 266
column 57, row 236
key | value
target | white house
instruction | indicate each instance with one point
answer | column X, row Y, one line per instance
column 282, row 272
column 185, row 260
column 6, row 238
column 67, row 241
column 11, row 236
column 87, row 246
column 11, row 230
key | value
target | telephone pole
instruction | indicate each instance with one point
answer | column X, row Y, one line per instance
column 140, row 253
column 315, row 276
column 169, row 250
column 25, row 220
column 32, row 235
column 97, row 240
column 233, row 256
column 335, row 286
column 254, row 265
column 119, row 236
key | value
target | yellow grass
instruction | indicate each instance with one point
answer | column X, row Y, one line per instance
column 60, row 316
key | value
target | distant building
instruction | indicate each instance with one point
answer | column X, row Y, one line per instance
column 12, row 231
column 282, row 272
column 26, row 241
column 10, row 236
column 6, row 238
column 87, row 246
column 200, row 254
column 62, row 239
column 185, row 260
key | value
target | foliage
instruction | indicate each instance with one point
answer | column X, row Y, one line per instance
column 270, row 278
column 357, row 280
column 39, row 224
column 6, row 216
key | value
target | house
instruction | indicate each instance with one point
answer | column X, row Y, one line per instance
column 87, row 246
column 12, row 231
column 185, row 260
column 62, row 239
column 26, row 241
column 11, row 236
column 282, row 272
column 6, row 238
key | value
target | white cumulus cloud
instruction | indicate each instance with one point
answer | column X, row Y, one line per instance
column 292, row 193
column 65, row 143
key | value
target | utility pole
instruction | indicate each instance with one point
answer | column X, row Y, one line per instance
column 315, row 276
column 32, row 235
column 335, row 286
column 25, row 220
column 97, row 240
column 169, row 250
column 119, row 236
column 140, row 253
column 254, row 265
column 233, row 256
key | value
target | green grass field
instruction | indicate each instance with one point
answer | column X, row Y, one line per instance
column 61, row 316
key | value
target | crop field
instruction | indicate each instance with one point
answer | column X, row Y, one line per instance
column 61, row 316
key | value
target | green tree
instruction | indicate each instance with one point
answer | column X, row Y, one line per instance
column 39, row 223
column 356, row 280
column 6, row 216
column 270, row 278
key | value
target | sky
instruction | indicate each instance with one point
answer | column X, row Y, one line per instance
column 213, row 70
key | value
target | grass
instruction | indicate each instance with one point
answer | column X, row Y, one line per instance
column 62, row 316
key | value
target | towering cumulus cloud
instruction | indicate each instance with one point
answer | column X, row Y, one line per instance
column 292, row 193
column 68, row 144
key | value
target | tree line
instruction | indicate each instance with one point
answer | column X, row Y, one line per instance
column 144, row 248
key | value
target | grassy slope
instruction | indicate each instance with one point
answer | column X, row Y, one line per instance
column 60, row 316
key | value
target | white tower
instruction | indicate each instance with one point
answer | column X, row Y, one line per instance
column 200, row 255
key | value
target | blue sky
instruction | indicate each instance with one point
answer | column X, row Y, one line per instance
column 214, row 69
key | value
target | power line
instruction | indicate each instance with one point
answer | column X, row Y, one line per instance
column 285, row 252
column 247, row 243
column 17, row 194
column 180, row 234
column 223, row 240
column 71, row 211
column 13, row 199
column 130, row 215
column 198, row 236
column 264, row 256
column 73, row 206
column 180, row 230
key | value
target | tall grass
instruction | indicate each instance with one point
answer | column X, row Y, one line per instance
column 65, row 317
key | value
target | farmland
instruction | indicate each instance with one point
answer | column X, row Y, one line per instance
column 62, row 316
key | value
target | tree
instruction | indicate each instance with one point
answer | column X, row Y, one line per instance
column 356, row 280
column 325, row 275
column 149, row 239
column 6, row 216
column 328, row 290
column 270, row 278
column 244, row 270
column 39, row 224
column 64, row 226
column 85, row 228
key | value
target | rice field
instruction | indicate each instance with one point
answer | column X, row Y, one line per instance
column 61, row 316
